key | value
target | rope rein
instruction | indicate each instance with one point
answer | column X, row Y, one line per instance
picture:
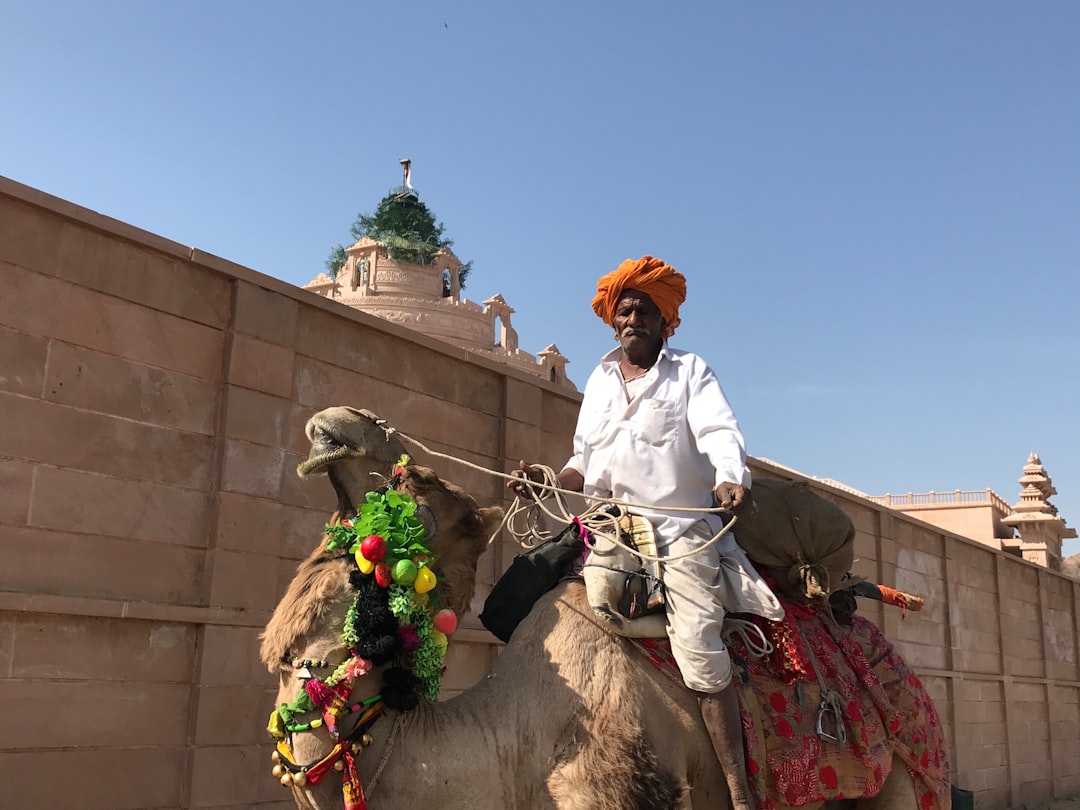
column 596, row 520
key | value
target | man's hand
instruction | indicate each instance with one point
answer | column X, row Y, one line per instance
column 729, row 496
column 526, row 472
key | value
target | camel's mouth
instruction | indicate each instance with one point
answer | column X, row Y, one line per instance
column 329, row 444
column 326, row 449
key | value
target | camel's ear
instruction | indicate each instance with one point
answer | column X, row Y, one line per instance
column 490, row 518
column 457, row 566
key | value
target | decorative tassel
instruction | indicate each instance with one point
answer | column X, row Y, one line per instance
column 352, row 792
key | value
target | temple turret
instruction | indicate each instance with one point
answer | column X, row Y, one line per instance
column 1036, row 520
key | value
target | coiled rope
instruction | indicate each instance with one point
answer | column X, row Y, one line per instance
column 596, row 520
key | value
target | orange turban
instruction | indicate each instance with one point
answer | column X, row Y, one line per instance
column 665, row 285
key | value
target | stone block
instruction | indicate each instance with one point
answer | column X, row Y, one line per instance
column 224, row 775
column 261, row 366
column 524, row 403
column 320, row 385
column 27, row 236
column 96, row 778
column 252, row 469
column 145, row 276
column 239, row 580
column 246, row 523
column 295, row 437
column 74, row 439
column 560, row 412
column 66, row 564
column 301, row 530
column 926, row 654
column 232, row 715
column 345, row 342
column 119, row 507
column 265, row 314
column 230, row 657
column 22, row 362
column 316, row 493
column 558, row 447
column 974, row 568
column 7, row 643
column 257, row 417
column 73, row 648
column 977, row 605
column 526, row 442
column 16, row 484
column 865, row 547
column 92, row 381
column 921, row 562
column 128, row 714
column 863, row 518
column 110, row 325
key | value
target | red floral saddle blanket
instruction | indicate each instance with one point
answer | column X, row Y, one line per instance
column 876, row 708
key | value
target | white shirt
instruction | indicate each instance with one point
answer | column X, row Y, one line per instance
column 672, row 444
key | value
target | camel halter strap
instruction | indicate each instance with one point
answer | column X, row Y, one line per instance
column 342, row 757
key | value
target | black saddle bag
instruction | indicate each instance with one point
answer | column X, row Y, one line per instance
column 529, row 577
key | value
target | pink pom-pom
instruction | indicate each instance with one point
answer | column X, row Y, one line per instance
column 318, row 691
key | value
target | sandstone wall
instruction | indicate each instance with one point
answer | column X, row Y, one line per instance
column 152, row 406
column 152, row 403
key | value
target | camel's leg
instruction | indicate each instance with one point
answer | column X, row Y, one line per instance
column 720, row 711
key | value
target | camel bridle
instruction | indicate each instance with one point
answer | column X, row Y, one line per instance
column 329, row 700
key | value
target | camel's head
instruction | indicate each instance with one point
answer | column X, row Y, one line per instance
column 308, row 623
column 351, row 447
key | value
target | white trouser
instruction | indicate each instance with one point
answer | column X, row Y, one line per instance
column 699, row 591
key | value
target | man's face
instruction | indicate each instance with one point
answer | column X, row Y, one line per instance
column 638, row 322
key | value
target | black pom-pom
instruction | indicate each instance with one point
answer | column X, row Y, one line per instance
column 374, row 625
column 357, row 580
column 399, row 689
column 380, row 645
column 372, row 611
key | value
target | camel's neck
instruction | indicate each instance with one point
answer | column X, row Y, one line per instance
column 463, row 750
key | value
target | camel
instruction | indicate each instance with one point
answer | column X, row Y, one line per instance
column 569, row 717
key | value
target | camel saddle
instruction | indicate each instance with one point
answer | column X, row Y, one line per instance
column 624, row 589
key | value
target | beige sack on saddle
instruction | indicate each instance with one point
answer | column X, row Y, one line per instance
column 805, row 541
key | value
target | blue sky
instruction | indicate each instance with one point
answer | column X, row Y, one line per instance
column 876, row 205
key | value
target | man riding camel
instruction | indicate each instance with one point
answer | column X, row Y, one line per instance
column 655, row 428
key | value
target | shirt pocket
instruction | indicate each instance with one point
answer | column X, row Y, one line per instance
column 658, row 422
column 597, row 426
